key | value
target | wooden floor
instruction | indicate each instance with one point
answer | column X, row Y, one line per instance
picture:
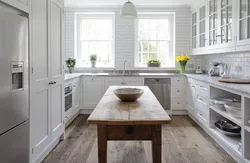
column 183, row 142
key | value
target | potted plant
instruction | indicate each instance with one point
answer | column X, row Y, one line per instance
column 71, row 62
column 183, row 59
column 93, row 59
column 154, row 63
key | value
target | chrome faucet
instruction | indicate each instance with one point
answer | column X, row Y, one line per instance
column 124, row 67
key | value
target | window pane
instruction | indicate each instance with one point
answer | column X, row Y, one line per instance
column 229, row 33
column 243, row 8
column 243, row 28
column 96, row 29
column 194, row 42
column 194, row 30
column 101, row 49
column 143, row 47
column 202, row 27
column 223, row 34
column 229, row 14
column 202, row 40
column 224, row 16
column 223, row 3
column 248, row 27
column 194, row 18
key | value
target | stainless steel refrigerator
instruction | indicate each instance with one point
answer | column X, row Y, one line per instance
column 14, row 88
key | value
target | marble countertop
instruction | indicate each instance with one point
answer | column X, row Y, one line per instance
column 75, row 75
column 213, row 81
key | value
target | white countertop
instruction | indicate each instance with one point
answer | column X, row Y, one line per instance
column 240, row 88
column 75, row 75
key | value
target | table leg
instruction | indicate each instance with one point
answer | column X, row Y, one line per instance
column 156, row 143
column 102, row 143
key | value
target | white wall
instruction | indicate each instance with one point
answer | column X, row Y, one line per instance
column 124, row 32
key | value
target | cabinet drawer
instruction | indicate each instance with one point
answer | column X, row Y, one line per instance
column 202, row 104
column 202, row 89
column 178, row 92
column 178, row 104
column 176, row 81
column 202, row 117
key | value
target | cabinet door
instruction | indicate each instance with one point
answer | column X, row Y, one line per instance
column 227, row 23
column 113, row 82
column 40, row 89
column 56, row 67
column 20, row 4
column 243, row 23
column 93, row 90
column 76, row 96
column 128, row 81
column 194, row 30
column 191, row 98
column 202, row 27
column 213, row 15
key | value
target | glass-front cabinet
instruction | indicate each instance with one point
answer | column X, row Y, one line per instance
column 221, row 26
column 202, row 27
column 194, row 30
column 212, row 23
column 243, row 23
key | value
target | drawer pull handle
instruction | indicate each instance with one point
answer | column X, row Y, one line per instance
column 129, row 130
column 178, row 90
column 178, row 102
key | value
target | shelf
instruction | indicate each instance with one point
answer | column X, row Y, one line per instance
column 247, row 128
column 227, row 115
column 232, row 142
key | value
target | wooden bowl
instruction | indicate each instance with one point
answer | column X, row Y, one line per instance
column 128, row 94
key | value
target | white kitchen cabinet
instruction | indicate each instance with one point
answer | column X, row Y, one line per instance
column 93, row 90
column 194, row 30
column 191, row 97
column 47, row 77
column 112, row 81
column 178, row 101
column 243, row 25
column 76, row 95
column 19, row 4
column 133, row 81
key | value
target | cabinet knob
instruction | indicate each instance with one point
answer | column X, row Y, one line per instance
column 50, row 83
column 54, row 82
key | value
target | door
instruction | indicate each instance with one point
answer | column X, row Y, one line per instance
column 191, row 98
column 56, row 67
column 40, row 78
column 93, row 92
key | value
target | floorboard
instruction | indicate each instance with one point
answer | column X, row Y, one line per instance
column 183, row 141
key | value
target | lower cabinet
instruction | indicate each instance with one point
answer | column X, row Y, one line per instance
column 93, row 90
column 191, row 97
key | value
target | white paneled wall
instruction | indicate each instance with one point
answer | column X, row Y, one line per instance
column 125, row 32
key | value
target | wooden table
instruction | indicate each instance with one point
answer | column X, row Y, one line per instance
column 140, row 120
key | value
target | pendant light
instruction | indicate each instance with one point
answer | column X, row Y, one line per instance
column 128, row 10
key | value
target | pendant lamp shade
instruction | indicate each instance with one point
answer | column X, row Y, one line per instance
column 129, row 10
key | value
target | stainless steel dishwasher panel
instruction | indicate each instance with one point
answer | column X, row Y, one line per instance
column 161, row 88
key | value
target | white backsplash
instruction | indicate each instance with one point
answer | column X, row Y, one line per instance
column 238, row 63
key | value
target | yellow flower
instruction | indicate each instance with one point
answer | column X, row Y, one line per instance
column 182, row 58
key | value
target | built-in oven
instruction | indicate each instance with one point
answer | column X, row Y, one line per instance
column 68, row 97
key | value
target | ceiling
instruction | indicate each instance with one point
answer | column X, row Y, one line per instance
column 84, row 3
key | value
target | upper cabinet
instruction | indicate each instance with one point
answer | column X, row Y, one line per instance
column 19, row 4
column 222, row 26
column 243, row 25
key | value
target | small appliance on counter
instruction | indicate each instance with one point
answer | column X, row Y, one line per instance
column 198, row 70
column 214, row 70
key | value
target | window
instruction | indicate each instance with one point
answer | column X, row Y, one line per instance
column 94, row 34
column 155, row 39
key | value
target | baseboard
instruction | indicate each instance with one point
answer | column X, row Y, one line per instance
column 178, row 112
column 86, row 111
column 52, row 145
column 230, row 151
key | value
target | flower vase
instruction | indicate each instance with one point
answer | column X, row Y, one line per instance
column 71, row 69
column 183, row 69
column 93, row 63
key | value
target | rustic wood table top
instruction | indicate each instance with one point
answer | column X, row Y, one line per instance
column 145, row 111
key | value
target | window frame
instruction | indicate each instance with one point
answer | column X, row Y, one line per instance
column 79, row 16
column 155, row 15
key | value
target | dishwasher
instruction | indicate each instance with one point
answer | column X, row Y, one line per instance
column 161, row 88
